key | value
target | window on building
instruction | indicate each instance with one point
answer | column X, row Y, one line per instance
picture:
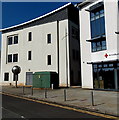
column 49, row 60
column 9, row 40
column 97, row 22
column 9, row 58
column 16, row 39
column 98, row 45
column 15, row 57
column 104, row 75
column 29, row 55
column 48, row 38
column 98, row 42
column 75, row 33
column 6, row 76
column 74, row 54
column 30, row 36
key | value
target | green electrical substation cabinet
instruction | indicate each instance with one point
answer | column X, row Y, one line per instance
column 45, row 80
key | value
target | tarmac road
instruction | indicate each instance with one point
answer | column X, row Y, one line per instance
column 15, row 108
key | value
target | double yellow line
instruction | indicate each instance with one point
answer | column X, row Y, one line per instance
column 64, row 107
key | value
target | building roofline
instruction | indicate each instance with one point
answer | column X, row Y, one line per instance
column 85, row 3
column 38, row 18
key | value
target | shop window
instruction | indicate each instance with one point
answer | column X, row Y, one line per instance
column 103, row 76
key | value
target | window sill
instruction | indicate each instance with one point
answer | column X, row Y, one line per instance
column 98, row 51
column 99, row 38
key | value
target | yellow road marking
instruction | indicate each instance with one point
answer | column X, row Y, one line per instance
column 65, row 107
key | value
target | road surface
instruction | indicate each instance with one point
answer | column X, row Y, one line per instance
column 13, row 107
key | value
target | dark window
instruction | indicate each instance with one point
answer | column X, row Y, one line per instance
column 15, row 57
column 97, row 22
column 98, row 45
column 104, row 76
column 74, row 54
column 49, row 60
column 9, row 40
column 98, row 29
column 30, row 36
column 48, row 38
column 15, row 39
column 10, row 58
column 75, row 33
column 6, row 76
column 29, row 55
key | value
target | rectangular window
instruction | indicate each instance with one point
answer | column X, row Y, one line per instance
column 30, row 36
column 98, row 45
column 15, row 39
column 9, row 58
column 97, row 22
column 15, row 57
column 9, row 40
column 104, row 76
column 6, row 76
column 48, row 38
column 74, row 55
column 75, row 33
column 49, row 60
column 29, row 55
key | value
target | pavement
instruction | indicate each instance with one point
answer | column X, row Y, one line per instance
column 105, row 102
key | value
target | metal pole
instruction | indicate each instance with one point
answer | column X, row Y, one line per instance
column 31, row 90
column 16, row 79
column 23, row 90
column 92, row 98
column 45, row 93
column 64, row 95
column 52, row 86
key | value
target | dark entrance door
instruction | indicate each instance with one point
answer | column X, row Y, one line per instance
column 29, row 78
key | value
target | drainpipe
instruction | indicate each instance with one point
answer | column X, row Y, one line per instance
column 58, row 48
column 66, row 58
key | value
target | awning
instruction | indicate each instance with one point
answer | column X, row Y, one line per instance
column 116, row 60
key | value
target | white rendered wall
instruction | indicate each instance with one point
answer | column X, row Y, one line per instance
column 40, row 49
column 110, row 9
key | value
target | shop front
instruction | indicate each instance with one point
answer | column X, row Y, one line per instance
column 106, row 75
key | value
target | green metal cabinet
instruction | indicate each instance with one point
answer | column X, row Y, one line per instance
column 45, row 79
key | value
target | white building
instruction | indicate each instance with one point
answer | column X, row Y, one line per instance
column 47, row 43
column 99, row 43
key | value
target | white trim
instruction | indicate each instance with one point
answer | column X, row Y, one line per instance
column 37, row 17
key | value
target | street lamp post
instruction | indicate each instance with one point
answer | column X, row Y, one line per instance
column 16, row 70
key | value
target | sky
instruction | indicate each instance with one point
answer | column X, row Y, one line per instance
column 14, row 13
